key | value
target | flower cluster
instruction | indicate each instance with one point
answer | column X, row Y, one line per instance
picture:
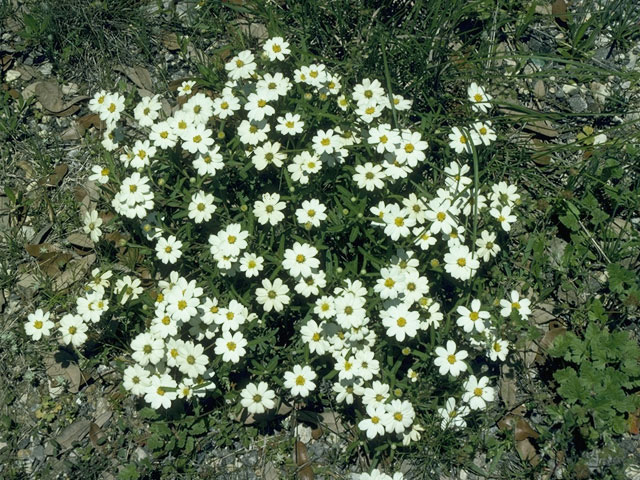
column 238, row 263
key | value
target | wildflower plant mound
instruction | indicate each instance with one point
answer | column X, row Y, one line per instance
column 292, row 240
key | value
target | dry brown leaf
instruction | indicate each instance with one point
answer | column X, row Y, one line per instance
column 331, row 421
column 49, row 94
column 6, row 61
column 542, row 314
column 96, row 435
column 507, row 387
column 527, row 452
column 559, row 10
column 138, row 75
column 524, row 430
column 91, row 120
column 538, row 89
column 62, row 364
column 82, row 241
column 28, row 169
column 56, row 177
column 67, row 111
column 74, row 132
column 73, row 433
column 550, row 336
column 170, row 41
column 75, row 270
column 301, row 457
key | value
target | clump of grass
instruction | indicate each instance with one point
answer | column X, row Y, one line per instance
column 86, row 39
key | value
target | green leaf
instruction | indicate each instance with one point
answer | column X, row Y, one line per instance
column 129, row 472
column 199, row 427
column 155, row 442
column 570, row 387
column 569, row 221
column 619, row 277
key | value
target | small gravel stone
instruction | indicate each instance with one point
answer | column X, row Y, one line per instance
column 578, row 104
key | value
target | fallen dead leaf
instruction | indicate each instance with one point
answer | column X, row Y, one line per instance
column 96, row 435
column 73, row 433
column 528, row 452
column 82, row 241
column 91, row 120
column 170, row 41
column 28, row 169
column 62, row 364
column 559, row 10
column 550, row 336
column 507, row 386
column 75, row 270
column 301, row 457
column 138, row 75
column 49, row 94
column 56, row 177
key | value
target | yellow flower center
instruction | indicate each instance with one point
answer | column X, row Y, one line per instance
column 112, row 107
column 398, row 416
column 276, row 48
column 300, row 258
column 231, row 346
column 72, row 330
column 251, row 264
column 164, row 134
column 384, row 139
column 370, row 110
column 182, row 304
column 325, row 141
column 451, row 359
column 191, row 359
column 300, row 380
column 166, row 320
column 316, row 337
column 477, row 97
column 167, row 249
column 375, row 420
column 197, row 139
column 290, row 124
column 462, row 262
column 399, row 221
column 497, row 347
column 409, row 148
column 441, row 216
column 239, row 63
column 262, row 103
column 231, row 239
column 515, row 305
column 401, row 322
column 104, row 172
column 477, row 392
column 463, row 139
column 474, row 316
